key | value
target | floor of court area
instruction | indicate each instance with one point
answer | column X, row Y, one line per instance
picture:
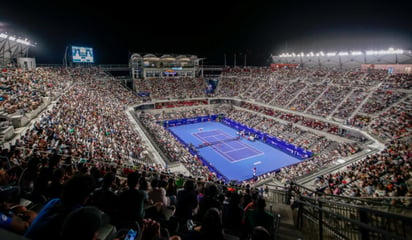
column 232, row 156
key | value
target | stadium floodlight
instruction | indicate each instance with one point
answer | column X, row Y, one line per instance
column 393, row 51
column 25, row 41
column 286, row 55
column 20, row 40
column 384, row 52
column 356, row 53
column 389, row 51
column 371, row 52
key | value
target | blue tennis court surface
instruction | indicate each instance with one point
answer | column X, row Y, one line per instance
column 233, row 157
column 233, row 149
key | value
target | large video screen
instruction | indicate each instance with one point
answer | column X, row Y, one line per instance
column 82, row 54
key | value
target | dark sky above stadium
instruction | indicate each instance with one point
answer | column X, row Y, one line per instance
column 208, row 29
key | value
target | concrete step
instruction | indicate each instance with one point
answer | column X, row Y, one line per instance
column 287, row 229
column 288, row 232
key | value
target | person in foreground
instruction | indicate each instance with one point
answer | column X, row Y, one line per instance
column 211, row 227
column 83, row 224
column 49, row 221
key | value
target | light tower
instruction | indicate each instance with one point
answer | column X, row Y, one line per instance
column 13, row 47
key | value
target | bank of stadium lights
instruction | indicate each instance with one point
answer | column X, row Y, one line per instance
column 24, row 41
column 383, row 52
column 356, row 53
column 345, row 53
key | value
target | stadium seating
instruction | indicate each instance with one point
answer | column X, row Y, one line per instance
column 85, row 130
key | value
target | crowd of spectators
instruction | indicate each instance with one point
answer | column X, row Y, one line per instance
column 385, row 175
column 349, row 105
column 80, row 200
column 326, row 90
column 183, row 103
column 321, row 90
column 401, row 81
column 395, row 122
column 174, row 149
column 326, row 151
column 306, row 97
column 328, row 101
column 23, row 91
column 82, row 153
column 71, row 162
column 381, row 99
column 173, row 87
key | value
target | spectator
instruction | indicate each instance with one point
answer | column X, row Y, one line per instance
column 83, row 224
column 49, row 221
column 259, row 217
column 232, row 213
column 104, row 198
column 210, row 228
column 131, row 204
column 157, row 193
column 260, row 233
column 171, row 190
column 209, row 200
column 13, row 216
column 186, row 203
column 55, row 188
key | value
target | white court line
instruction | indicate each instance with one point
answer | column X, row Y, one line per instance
column 223, row 154
column 230, row 158
column 237, row 149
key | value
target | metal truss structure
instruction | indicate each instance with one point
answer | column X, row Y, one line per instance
column 12, row 48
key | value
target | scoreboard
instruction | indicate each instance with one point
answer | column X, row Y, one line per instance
column 82, row 54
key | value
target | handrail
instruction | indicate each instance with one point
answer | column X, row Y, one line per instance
column 323, row 215
column 359, row 201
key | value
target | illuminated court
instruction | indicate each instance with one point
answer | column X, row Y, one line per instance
column 230, row 155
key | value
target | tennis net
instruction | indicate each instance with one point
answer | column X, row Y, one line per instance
column 208, row 144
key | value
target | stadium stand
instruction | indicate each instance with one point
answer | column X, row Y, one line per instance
column 69, row 122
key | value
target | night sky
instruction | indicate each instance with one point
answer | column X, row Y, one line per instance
column 208, row 29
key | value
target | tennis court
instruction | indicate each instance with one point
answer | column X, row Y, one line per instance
column 232, row 156
column 231, row 148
